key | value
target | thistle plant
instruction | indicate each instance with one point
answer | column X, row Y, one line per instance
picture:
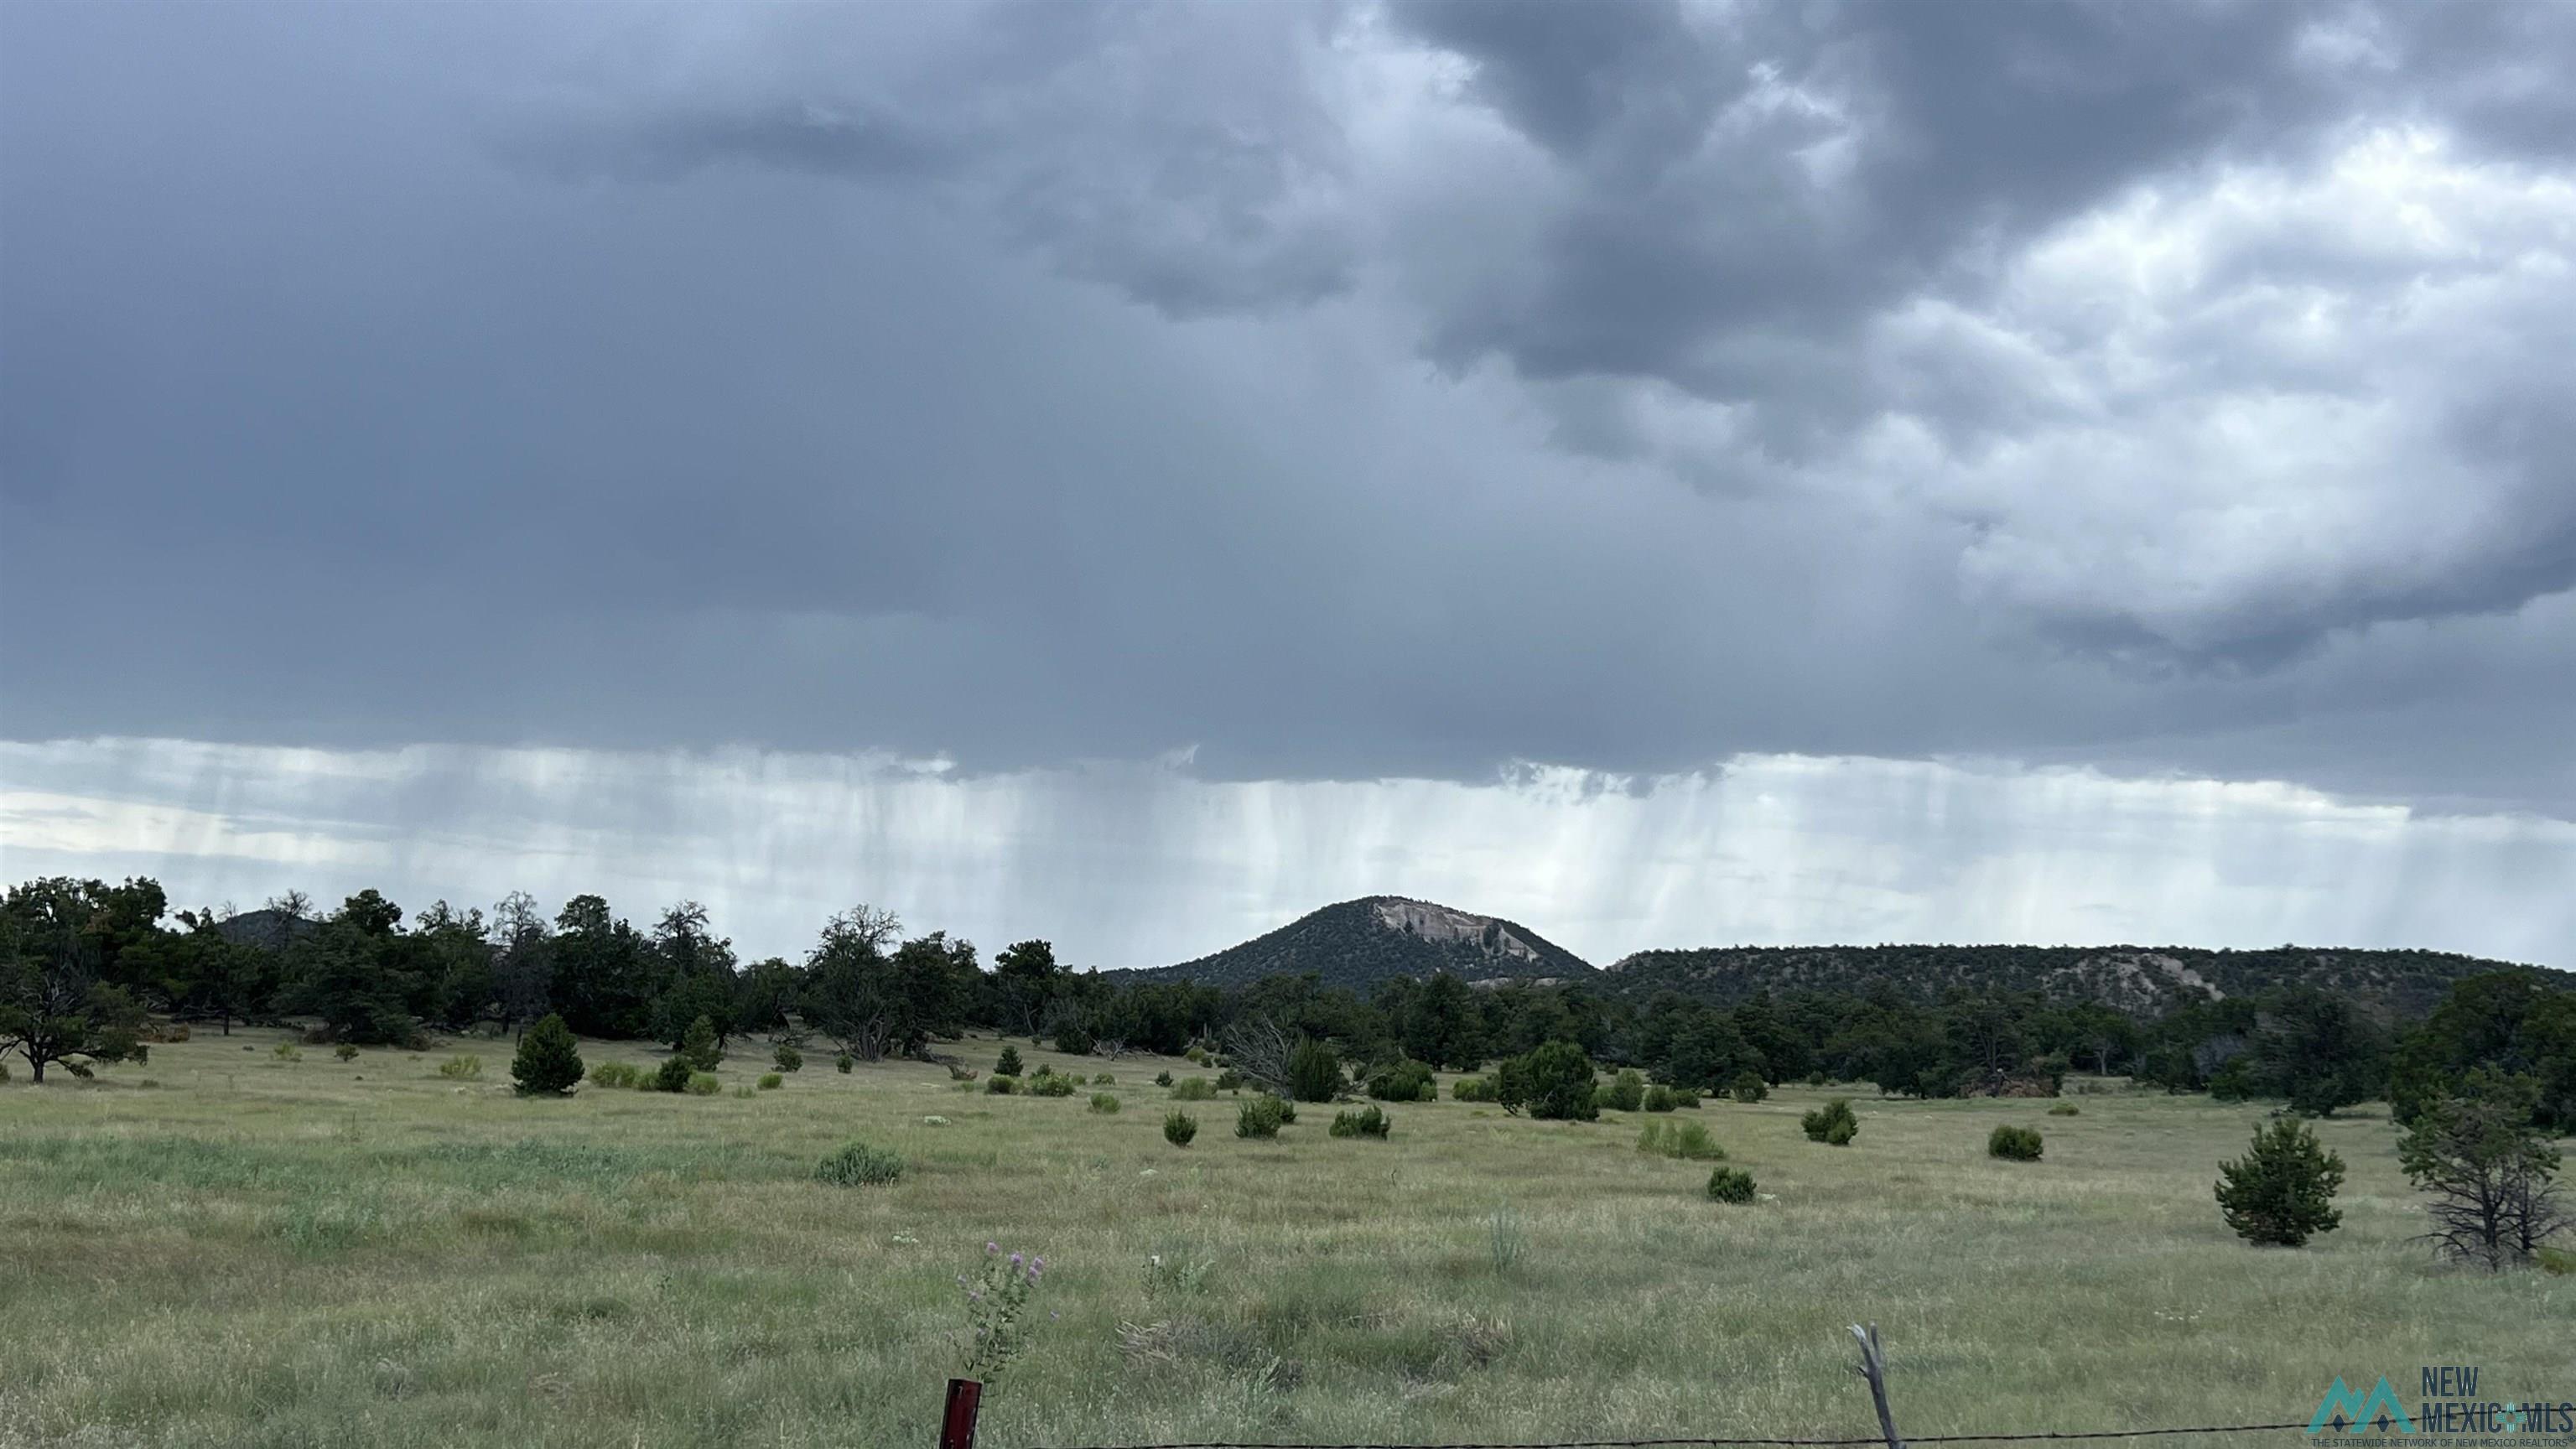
column 997, row 1311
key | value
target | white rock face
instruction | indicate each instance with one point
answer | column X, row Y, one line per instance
column 1440, row 923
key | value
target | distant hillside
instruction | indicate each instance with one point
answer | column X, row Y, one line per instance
column 2140, row 980
column 1360, row 943
column 266, row 927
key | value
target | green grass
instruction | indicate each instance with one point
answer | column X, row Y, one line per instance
column 287, row 1252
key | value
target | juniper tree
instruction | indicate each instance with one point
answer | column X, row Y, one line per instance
column 2281, row 1192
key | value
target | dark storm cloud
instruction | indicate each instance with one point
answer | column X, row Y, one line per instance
column 1046, row 382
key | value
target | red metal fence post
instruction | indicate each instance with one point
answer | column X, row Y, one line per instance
column 957, row 1426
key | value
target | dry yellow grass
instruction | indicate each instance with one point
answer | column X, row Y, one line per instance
column 271, row 1252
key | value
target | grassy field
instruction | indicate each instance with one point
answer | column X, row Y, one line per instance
column 259, row 1251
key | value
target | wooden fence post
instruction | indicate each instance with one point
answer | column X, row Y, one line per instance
column 1873, row 1367
column 957, row 1426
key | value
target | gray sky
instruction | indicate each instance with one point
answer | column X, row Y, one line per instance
column 1311, row 393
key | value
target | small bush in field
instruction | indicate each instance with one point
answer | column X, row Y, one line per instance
column 1686, row 1098
column 1192, row 1089
column 1402, row 1082
column 1748, row 1088
column 789, row 1059
column 615, row 1074
column 1688, row 1141
column 2281, row 1192
column 843, row 1063
column 1051, row 1084
column 1179, row 1127
column 742, row 1089
column 673, row 1075
column 704, row 1084
column 700, row 1045
column 1625, row 1092
column 2065, row 1109
column 1815, row 1079
column 2014, row 1144
column 771, row 1081
column 548, row 1062
column 1001, row 1084
column 859, row 1165
column 1009, row 1064
column 1104, row 1103
column 1261, row 1115
column 1103, row 1079
column 1832, row 1123
column 1471, row 1089
column 1229, row 1080
column 1366, row 1122
column 287, row 1051
column 1197, row 1054
column 1659, row 1098
column 1314, row 1072
column 1163, row 1078
column 1730, row 1184
column 345, row 1052
column 459, row 1068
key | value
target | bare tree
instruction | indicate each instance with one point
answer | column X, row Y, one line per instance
column 2493, row 1177
column 1259, row 1050
column 523, row 961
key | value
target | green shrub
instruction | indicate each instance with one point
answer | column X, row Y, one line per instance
column 742, row 1089
column 1050, row 1084
column 1001, row 1084
column 1192, row 1089
column 1314, row 1073
column 2065, row 1109
column 673, row 1075
column 1815, row 1079
column 456, row 1069
column 1103, row 1079
column 548, row 1062
column 1554, row 1083
column 699, row 1045
column 1402, row 1082
column 1229, row 1080
column 287, row 1051
column 616, row 1074
column 1073, row 1039
column 1179, row 1127
column 1261, row 1115
column 859, row 1165
column 1686, row 1098
column 1472, row 1089
column 771, row 1081
column 1104, row 1103
column 1197, row 1054
column 705, row 1084
column 2014, row 1144
column 1626, row 1092
column 1659, row 1098
column 1366, row 1122
column 1730, row 1184
column 1688, row 1141
column 1832, row 1123
column 1009, row 1064
column 789, row 1059
column 843, row 1063
column 2281, row 1192
column 345, row 1052
column 1747, row 1087
column 1163, row 1078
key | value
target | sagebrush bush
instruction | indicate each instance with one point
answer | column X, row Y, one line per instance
column 1402, row 1082
column 2014, row 1144
column 1748, row 1087
column 843, row 1063
column 1472, row 1089
column 1163, row 1078
column 2065, row 1109
column 1626, row 1092
column 859, row 1165
column 1009, row 1063
column 1832, row 1123
column 287, row 1051
column 1366, row 1122
column 1686, row 1098
column 455, row 1069
column 1103, row 1079
column 1730, row 1184
column 705, row 1084
column 1229, row 1080
column 673, row 1075
column 616, row 1074
column 1000, row 1084
column 1104, row 1103
column 1179, row 1127
column 345, row 1052
column 1261, row 1115
column 1197, row 1054
column 1659, row 1098
column 1192, row 1089
column 1688, row 1141
column 548, row 1061
column 789, row 1059
column 771, row 1081
column 1050, row 1084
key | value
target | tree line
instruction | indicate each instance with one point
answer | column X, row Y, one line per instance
column 84, row 965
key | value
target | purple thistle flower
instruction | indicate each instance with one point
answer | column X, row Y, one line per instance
column 991, row 1247
column 1015, row 1260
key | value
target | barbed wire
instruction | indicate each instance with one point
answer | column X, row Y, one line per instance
column 1910, row 1439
